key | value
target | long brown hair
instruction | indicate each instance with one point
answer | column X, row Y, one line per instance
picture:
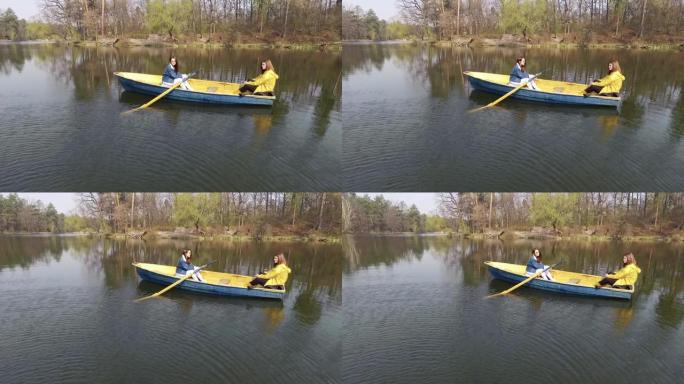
column 519, row 61
column 269, row 66
column 281, row 259
column 616, row 67
column 630, row 258
column 175, row 67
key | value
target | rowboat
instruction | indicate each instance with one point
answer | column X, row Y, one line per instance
column 549, row 91
column 204, row 91
column 564, row 282
column 216, row 283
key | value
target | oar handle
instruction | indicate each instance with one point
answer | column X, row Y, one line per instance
column 205, row 265
column 552, row 266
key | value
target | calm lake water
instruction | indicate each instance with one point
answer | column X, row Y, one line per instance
column 68, row 315
column 406, row 125
column 415, row 311
column 62, row 128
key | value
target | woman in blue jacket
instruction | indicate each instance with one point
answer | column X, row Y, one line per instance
column 172, row 76
column 185, row 266
column 520, row 75
column 535, row 265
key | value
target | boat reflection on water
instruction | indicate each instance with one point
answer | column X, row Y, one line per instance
column 273, row 310
column 132, row 100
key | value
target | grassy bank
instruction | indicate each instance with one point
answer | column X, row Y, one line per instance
column 156, row 43
column 163, row 235
column 509, row 235
column 550, row 44
column 573, row 41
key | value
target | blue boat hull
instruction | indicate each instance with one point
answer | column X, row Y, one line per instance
column 551, row 286
column 190, row 96
column 194, row 286
column 538, row 96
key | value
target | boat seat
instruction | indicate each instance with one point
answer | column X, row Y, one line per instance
column 574, row 281
column 211, row 89
column 224, row 281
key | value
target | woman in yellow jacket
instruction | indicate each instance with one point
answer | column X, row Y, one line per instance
column 608, row 85
column 262, row 85
column 276, row 277
column 626, row 277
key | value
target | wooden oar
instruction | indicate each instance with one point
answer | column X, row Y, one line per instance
column 520, row 284
column 174, row 284
column 160, row 95
column 514, row 90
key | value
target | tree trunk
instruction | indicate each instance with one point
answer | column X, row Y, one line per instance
column 320, row 213
column 102, row 19
column 287, row 9
column 458, row 17
column 491, row 201
column 643, row 16
column 132, row 209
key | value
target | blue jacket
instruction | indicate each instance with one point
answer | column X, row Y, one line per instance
column 533, row 265
column 517, row 74
column 170, row 74
column 183, row 266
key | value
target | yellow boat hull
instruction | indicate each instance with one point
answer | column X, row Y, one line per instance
column 203, row 91
column 564, row 281
column 549, row 91
column 216, row 283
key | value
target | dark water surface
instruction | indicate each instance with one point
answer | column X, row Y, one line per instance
column 415, row 311
column 406, row 125
column 68, row 315
column 62, row 128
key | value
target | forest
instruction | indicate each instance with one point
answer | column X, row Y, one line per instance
column 16, row 29
column 533, row 20
column 239, row 214
column 363, row 214
column 244, row 214
column 601, row 213
column 20, row 215
column 188, row 20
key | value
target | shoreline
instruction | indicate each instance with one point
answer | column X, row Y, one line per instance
column 481, row 42
column 507, row 236
column 130, row 43
column 161, row 235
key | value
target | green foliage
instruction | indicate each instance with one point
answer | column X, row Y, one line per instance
column 37, row 30
column 436, row 223
column 522, row 17
column 195, row 210
column 75, row 223
column 398, row 31
column 11, row 27
column 168, row 16
column 555, row 210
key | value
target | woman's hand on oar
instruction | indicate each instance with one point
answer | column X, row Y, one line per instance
column 161, row 95
column 514, row 90
column 182, row 279
column 520, row 284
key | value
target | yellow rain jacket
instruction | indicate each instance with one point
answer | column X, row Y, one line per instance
column 611, row 83
column 265, row 82
column 277, row 275
column 626, row 276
